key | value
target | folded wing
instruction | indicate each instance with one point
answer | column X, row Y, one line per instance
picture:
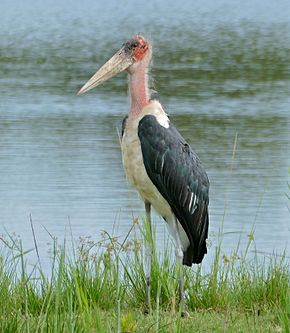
column 179, row 176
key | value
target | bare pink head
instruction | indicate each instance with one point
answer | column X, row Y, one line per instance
column 129, row 57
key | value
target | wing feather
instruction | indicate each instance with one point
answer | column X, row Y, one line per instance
column 180, row 177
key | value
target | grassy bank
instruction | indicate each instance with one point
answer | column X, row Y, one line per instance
column 100, row 287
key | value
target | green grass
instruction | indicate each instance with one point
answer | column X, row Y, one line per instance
column 100, row 287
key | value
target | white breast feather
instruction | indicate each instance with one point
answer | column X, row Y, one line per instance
column 133, row 159
column 135, row 169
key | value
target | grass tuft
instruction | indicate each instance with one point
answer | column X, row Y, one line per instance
column 101, row 288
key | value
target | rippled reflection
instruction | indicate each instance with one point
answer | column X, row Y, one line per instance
column 220, row 77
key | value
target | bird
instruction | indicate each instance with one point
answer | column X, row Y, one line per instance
column 159, row 162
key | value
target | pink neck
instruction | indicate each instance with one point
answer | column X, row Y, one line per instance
column 138, row 87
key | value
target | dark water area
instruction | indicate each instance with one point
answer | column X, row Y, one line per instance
column 222, row 72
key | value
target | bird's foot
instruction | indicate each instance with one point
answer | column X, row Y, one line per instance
column 184, row 314
column 146, row 311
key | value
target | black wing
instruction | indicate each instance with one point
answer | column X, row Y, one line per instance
column 180, row 177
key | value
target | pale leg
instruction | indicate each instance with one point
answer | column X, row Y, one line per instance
column 179, row 259
column 148, row 257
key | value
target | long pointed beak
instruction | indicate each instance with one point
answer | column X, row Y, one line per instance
column 118, row 63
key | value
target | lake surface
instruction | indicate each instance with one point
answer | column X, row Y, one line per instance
column 222, row 71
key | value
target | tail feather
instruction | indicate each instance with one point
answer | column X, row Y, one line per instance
column 198, row 235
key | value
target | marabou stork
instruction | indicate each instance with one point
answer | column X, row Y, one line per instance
column 159, row 162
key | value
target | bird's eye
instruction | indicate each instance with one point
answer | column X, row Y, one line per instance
column 134, row 44
column 130, row 45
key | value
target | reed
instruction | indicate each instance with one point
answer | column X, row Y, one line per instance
column 100, row 287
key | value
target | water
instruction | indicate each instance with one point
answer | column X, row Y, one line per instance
column 221, row 70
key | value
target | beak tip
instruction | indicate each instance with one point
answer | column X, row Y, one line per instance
column 80, row 92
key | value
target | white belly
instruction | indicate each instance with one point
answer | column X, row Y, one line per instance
column 134, row 166
column 137, row 175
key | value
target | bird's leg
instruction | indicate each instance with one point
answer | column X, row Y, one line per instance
column 181, row 291
column 179, row 259
column 148, row 257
